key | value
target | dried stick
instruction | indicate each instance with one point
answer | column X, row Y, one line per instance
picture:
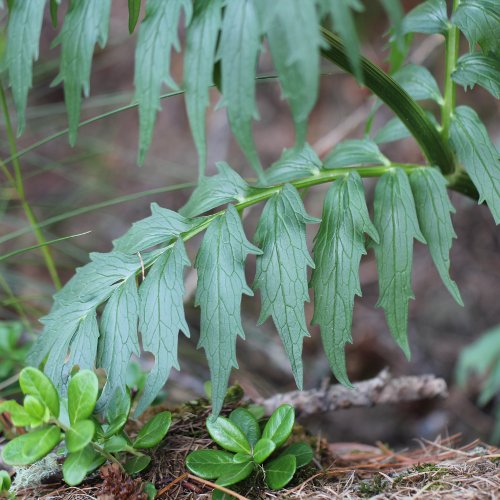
column 382, row 389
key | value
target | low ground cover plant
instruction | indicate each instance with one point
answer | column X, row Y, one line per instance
column 87, row 443
column 249, row 450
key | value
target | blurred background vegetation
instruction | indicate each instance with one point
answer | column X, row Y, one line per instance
column 98, row 187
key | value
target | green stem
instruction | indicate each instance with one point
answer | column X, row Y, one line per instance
column 19, row 185
column 436, row 149
column 452, row 45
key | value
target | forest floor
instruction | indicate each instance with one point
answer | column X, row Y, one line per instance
column 443, row 468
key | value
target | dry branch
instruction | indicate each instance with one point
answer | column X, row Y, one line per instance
column 382, row 389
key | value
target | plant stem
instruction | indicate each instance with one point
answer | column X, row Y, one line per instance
column 451, row 51
column 19, row 185
column 436, row 149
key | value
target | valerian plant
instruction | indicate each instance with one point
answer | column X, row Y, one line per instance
column 250, row 450
column 138, row 285
column 88, row 443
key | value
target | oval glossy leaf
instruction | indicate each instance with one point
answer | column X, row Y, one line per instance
column 5, row 481
column 280, row 425
column 78, row 465
column 247, row 423
column 280, row 472
column 29, row 448
column 301, row 451
column 136, row 464
column 79, row 435
column 235, row 473
column 82, row 395
column 36, row 383
column 154, row 431
column 35, row 408
column 116, row 444
column 18, row 414
column 117, row 412
column 226, row 434
column 263, row 450
column 209, row 464
column 241, row 458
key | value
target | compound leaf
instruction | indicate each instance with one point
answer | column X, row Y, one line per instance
column 338, row 248
column 119, row 338
column 85, row 24
column 354, row 152
column 281, row 274
column 433, row 210
column 294, row 165
column 23, row 37
column 157, row 36
column 160, row 227
column 221, row 283
column 201, row 40
column 83, row 346
column 481, row 69
column 297, row 64
column 225, row 187
column 479, row 21
column 238, row 51
column 396, row 222
column 162, row 316
column 429, row 17
column 473, row 147
column 418, row 82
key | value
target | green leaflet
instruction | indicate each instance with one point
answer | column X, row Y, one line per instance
column 343, row 23
column 478, row 68
column 355, row 152
column 433, row 210
column 221, row 283
column 294, row 165
column 429, row 17
column 85, row 24
column 161, row 317
column 201, row 39
column 418, row 82
column 281, row 274
column 395, row 13
column 134, row 9
column 157, row 36
column 297, row 63
column 473, row 147
column 23, row 36
column 238, row 51
column 160, row 227
column 225, row 187
column 395, row 130
column 119, row 338
column 479, row 21
column 396, row 221
column 90, row 286
column 338, row 248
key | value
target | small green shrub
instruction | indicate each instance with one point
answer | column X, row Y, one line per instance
column 88, row 443
column 248, row 449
